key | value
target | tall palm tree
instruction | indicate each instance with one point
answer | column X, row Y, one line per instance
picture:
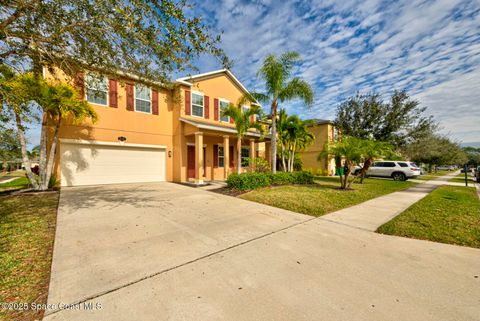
column 243, row 122
column 281, row 87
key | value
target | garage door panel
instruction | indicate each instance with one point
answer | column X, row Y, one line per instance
column 90, row 165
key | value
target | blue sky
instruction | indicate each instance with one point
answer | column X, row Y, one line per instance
column 430, row 48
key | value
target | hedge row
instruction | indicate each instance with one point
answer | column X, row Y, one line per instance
column 248, row 181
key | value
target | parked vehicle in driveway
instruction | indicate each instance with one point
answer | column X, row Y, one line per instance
column 398, row 170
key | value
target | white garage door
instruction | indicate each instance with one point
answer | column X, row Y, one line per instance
column 84, row 164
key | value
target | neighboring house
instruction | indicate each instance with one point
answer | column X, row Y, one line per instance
column 155, row 132
column 324, row 131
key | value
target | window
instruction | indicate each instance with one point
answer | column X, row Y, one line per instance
column 403, row 164
column 197, row 105
column 335, row 134
column 389, row 164
column 378, row 164
column 143, row 101
column 244, row 108
column 245, row 156
column 223, row 105
column 221, row 157
column 96, row 89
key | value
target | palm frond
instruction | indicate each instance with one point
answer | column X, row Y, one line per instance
column 297, row 88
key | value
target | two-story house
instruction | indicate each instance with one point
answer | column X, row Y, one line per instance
column 150, row 132
column 324, row 131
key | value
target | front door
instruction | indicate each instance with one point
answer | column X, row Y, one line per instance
column 190, row 161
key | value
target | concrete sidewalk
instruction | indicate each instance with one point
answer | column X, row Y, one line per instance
column 371, row 214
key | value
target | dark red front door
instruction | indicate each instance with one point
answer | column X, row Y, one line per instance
column 190, row 161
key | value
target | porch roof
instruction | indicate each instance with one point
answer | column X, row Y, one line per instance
column 202, row 125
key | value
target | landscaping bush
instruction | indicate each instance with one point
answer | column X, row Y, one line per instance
column 282, row 178
column 248, row 181
column 303, row 177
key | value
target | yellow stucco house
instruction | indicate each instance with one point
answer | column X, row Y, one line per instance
column 324, row 131
column 151, row 133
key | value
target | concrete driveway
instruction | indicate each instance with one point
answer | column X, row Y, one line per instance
column 171, row 252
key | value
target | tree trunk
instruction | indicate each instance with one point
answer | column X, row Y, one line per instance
column 293, row 156
column 42, row 162
column 239, row 155
column 51, row 157
column 274, row 137
column 23, row 144
column 365, row 168
column 283, row 157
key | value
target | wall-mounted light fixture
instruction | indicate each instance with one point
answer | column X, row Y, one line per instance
column 122, row 139
column 169, row 153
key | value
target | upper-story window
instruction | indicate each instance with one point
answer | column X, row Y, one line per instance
column 197, row 104
column 224, row 105
column 143, row 102
column 96, row 89
column 245, row 108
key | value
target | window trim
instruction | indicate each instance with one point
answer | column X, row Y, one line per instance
column 220, row 109
column 86, row 88
column 135, row 100
column 191, row 103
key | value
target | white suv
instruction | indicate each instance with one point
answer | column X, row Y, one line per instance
column 398, row 170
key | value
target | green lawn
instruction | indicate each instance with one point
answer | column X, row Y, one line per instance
column 27, row 231
column 19, row 183
column 450, row 214
column 433, row 175
column 324, row 196
column 460, row 178
column 19, row 173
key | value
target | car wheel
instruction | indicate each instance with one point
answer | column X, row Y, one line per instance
column 399, row 177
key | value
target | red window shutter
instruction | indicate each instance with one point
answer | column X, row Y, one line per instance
column 130, row 101
column 206, row 106
column 154, row 102
column 188, row 105
column 232, row 157
column 252, row 118
column 112, row 93
column 215, row 156
column 215, row 109
column 79, row 84
column 231, row 120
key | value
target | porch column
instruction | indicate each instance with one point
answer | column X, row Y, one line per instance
column 226, row 155
column 252, row 152
column 199, row 158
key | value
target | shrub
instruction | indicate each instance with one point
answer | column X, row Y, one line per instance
column 261, row 165
column 252, row 180
column 282, row 178
column 248, row 181
column 303, row 177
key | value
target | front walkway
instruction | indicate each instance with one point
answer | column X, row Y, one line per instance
column 171, row 252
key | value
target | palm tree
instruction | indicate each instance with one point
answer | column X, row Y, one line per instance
column 21, row 94
column 243, row 122
column 280, row 87
column 372, row 150
column 349, row 149
column 293, row 136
